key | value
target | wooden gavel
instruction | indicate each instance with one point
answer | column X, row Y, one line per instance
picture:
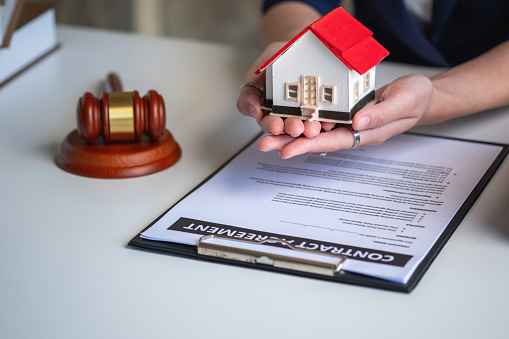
column 120, row 116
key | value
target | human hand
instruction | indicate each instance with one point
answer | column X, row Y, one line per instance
column 402, row 104
column 250, row 98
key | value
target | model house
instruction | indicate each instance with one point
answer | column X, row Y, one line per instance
column 325, row 73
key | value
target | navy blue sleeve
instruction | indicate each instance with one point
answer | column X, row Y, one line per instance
column 322, row 6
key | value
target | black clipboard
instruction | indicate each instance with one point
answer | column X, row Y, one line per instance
column 189, row 251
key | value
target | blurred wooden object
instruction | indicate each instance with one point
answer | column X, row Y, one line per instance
column 113, row 83
column 121, row 160
column 105, row 146
column 121, row 116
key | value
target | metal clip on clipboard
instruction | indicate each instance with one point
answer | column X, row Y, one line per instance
column 256, row 252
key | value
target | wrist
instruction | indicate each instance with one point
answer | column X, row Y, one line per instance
column 445, row 102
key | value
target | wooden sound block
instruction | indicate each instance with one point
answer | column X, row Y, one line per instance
column 117, row 160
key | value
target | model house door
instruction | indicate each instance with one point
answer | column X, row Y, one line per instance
column 309, row 86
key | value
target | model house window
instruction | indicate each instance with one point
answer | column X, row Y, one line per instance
column 328, row 94
column 367, row 81
column 292, row 91
column 356, row 91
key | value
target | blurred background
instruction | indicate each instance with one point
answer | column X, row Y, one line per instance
column 228, row 21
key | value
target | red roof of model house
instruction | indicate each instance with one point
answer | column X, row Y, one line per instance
column 346, row 38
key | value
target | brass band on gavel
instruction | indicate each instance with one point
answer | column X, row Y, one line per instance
column 121, row 116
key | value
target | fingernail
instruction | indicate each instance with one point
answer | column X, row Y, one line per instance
column 362, row 123
column 284, row 156
column 252, row 111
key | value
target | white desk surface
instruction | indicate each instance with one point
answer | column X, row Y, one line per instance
column 65, row 271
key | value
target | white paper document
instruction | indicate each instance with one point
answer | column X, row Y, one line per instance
column 383, row 207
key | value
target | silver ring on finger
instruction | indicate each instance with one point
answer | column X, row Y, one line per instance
column 252, row 84
column 357, row 139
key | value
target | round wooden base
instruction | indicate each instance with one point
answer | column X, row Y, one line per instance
column 120, row 160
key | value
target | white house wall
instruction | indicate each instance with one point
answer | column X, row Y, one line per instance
column 353, row 77
column 372, row 85
column 308, row 56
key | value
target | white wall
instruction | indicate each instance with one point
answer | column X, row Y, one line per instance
column 308, row 56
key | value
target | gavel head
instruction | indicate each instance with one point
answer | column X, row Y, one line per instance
column 121, row 116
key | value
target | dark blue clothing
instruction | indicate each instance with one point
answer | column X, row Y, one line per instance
column 460, row 29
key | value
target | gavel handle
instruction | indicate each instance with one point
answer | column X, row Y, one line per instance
column 113, row 83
